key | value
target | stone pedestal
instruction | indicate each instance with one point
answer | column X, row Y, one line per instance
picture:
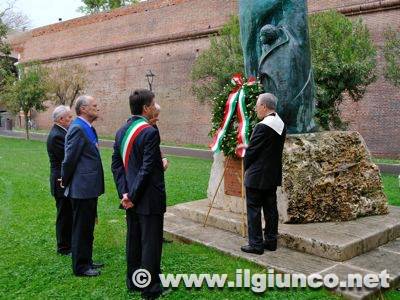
column 327, row 176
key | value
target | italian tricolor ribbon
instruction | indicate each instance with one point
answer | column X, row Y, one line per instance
column 129, row 139
column 236, row 103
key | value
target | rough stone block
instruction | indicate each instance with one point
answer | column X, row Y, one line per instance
column 327, row 177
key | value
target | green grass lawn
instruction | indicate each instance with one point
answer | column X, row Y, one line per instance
column 390, row 161
column 30, row 268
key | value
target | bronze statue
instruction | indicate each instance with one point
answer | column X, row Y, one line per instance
column 276, row 48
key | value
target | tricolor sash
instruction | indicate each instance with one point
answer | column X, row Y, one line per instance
column 129, row 139
column 88, row 130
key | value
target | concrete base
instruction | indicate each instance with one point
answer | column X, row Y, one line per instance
column 179, row 224
column 335, row 241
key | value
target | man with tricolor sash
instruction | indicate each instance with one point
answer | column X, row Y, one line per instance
column 139, row 177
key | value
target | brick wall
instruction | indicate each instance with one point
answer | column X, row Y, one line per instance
column 376, row 116
column 166, row 36
column 165, row 39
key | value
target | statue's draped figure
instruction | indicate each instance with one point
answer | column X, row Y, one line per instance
column 276, row 48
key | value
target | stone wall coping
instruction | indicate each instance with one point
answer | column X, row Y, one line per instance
column 366, row 8
column 140, row 43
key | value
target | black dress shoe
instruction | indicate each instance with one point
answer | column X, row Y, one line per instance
column 64, row 252
column 97, row 265
column 250, row 249
column 164, row 292
column 270, row 245
column 165, row 241
column 90, row 273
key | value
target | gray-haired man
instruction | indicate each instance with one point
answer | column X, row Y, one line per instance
column 62, row 118
column 82, row 175
column 263, row 173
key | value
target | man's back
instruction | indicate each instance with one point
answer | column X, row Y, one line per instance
column 55, row 150
column 55, row 146
column 263, row 160
column 143, row 178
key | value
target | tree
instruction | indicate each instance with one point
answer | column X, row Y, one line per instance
column 344, row 61
column 215, row 66
column 95, row 6
column 391, row 51
column 65, row 82
column 6, row 63
column 343, row 55
column 9, row 19
column 12, row 18
column 27, row 93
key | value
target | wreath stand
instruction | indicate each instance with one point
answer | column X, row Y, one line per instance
column 242, row 197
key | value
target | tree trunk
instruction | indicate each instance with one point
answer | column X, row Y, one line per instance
column 26, row 125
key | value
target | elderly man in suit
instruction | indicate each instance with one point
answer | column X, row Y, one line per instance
column 263, row 174
column 82, row 175
column 139, row 177
column 62, row 118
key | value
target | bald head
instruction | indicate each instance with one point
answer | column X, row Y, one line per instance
column 86, row 107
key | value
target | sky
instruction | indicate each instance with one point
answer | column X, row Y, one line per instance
column 44, row 12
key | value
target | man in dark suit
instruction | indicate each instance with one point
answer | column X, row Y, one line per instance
column 82, row 175
column 139, row 177
column 62, row 118
column 263, row 174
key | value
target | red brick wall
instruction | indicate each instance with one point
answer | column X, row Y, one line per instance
column 166, row 36
column 113, row 75
column 377, row 115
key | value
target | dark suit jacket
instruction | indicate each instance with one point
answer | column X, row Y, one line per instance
column 144, row 179
column 263, row 158
column 82, row 170
column 55, row 150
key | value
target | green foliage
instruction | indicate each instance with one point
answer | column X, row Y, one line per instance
column 344, row 60
column 27, row 93
column 391, row 51
column 214, row 67
column 95, row 6
column 343, row 55
column 6, row 64
column 229, row 142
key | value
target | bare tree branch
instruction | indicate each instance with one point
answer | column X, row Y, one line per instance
column 13, row 18
column 65, row 82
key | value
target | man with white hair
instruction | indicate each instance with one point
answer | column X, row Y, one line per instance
column 153, row 122
column 263, row 174
column 62, row 118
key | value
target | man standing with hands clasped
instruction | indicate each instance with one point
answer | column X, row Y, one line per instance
column 82, row 175
column 263, row 174
column 62, row 118
column 139, row 176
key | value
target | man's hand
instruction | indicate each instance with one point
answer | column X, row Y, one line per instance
column 126, row 202
column 242, row 146
column 61, row 183
column 165, row 163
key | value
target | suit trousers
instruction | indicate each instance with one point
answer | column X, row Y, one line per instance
column 143, row 249
column 63, row 224
column 84, row 217
column 256, row 200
